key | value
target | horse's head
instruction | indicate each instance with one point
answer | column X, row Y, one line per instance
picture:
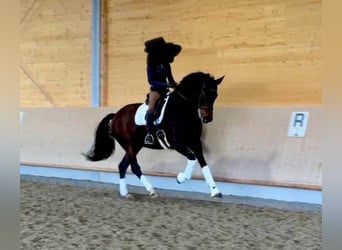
column 207, row 97
column 200, row 89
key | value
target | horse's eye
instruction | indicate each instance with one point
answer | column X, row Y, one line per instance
column 211, row 89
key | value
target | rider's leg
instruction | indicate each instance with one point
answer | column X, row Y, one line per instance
column 149, row 127
column 154, row 96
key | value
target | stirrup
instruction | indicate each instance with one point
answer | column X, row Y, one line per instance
column 149, row 140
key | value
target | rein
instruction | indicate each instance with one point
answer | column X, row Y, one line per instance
column 181, row 95
column 199, row 98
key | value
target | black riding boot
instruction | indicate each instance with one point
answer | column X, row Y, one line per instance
column 149, row 127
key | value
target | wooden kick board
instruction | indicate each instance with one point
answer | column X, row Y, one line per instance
column 242, row 144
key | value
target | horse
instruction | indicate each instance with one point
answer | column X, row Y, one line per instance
column 188, row 106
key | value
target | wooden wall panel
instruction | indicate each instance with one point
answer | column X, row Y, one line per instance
column 268, row 50
column 55, row 53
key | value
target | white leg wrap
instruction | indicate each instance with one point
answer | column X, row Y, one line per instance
column 186, row 175
column 146, row 183
column 123, row 187
column 210, row 181
column 189, row 169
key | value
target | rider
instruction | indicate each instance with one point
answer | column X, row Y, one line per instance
column 159, row 57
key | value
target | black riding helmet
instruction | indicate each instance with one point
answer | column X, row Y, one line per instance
column 158, row 48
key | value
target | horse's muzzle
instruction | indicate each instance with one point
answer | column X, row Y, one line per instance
column 206, row 119
column 206, row 114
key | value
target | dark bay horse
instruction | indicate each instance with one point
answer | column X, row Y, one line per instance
column 188, row 106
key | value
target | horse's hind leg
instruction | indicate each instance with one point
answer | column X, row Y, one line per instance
column 123, row 165
column 136, row 169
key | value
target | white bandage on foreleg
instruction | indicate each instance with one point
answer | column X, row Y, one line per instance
column 146, row 183
column 208, row 177
column 189, row 169
column 123, row 187
column 210, row 181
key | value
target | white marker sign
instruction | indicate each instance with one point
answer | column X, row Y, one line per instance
column 21, row 116
column 298, row 124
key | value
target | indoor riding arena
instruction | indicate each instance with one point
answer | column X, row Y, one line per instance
column 83, row 59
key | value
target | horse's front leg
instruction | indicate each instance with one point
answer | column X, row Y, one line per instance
column 197, row 149
column 186, row 175
column 214, row 191
column 191, row 162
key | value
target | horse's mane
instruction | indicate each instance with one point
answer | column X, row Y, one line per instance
column 195, row 78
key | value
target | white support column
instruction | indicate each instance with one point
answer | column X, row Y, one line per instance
column 96, row 54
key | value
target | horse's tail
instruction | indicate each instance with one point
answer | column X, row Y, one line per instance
column 104, row 145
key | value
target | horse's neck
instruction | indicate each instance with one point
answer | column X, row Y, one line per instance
column 180, row 107
column 189, row 96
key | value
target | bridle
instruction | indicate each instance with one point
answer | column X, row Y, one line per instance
column 201, row 95
column 202, row 104
column 205, row 108
column 204, row 96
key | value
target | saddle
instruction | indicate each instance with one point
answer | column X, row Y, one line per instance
column 159, row 106
column 139, row 117
column 159, row 111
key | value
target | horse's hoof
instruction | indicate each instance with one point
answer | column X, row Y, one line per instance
column 153, row 194
column 180, row 178
column 128, row 196
column 218, row 195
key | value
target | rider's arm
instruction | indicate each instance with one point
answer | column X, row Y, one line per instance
column 169, row 76
column 151, row 77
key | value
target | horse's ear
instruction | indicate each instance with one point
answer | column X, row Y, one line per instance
column 219, row 80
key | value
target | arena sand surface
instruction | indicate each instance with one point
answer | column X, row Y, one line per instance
column 65, row 214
